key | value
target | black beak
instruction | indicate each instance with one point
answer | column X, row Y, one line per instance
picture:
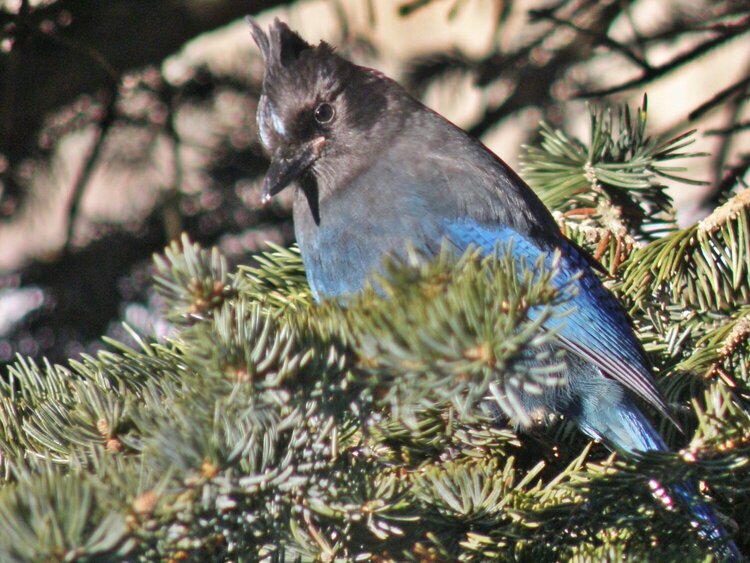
column 289, row 163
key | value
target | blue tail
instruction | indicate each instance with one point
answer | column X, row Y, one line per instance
column 618, row 422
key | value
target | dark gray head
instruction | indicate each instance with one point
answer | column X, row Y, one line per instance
column 317, row 111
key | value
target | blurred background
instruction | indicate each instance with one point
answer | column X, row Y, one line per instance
column 126, row 122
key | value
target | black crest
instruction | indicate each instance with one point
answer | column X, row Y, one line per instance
column 280, row 46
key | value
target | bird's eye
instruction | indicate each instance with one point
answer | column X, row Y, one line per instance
column 324, row 113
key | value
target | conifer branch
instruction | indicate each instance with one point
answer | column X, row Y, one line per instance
column 615, row 178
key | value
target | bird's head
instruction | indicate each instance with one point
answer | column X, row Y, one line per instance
column 316, row 109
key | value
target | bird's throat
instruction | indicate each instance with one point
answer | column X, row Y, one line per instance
column 308, row 185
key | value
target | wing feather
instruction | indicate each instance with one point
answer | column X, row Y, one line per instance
column 595, row 327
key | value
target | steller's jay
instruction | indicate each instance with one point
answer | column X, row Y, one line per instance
column 376, row 173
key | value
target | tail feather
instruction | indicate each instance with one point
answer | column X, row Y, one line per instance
column 708, row 523
column 626, row 428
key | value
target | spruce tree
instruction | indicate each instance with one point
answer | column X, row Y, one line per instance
column 273, row 428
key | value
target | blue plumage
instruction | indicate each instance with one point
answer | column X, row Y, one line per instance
column 594, row 324
column 377, row 173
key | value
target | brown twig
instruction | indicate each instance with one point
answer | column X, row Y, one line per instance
column 664, row 69
column 79, row 187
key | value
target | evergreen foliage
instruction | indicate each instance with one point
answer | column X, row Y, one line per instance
column 272, row 428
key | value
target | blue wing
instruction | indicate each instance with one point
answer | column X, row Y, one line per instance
column 595, row 326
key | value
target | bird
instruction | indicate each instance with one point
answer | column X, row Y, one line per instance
column 377, row 174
